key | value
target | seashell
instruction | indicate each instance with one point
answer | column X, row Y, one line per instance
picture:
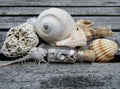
column 31, row 21
column 86, row 26
column 55, row 54
column 77, row 38
column 19, row 40
column 104, row 49
column 57, row 27
column 35, row 53
column 103, row 31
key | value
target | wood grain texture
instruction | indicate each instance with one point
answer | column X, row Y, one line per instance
column 63, row 76
column 60, row 3
column 60, row 76
column 96, row 11
column 2, row 38
column 7, row 22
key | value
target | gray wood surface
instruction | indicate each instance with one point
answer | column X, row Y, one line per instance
column 59, row 3
column 60, row 76
column 7, row 22
column 95, row 11
column 2, row 38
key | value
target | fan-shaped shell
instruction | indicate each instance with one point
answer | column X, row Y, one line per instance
column 104, row 49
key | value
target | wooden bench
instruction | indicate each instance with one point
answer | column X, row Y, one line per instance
column 61, row 76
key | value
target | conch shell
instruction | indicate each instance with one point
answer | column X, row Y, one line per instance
column 104, row 49
column 58, row 28
column 19, row 40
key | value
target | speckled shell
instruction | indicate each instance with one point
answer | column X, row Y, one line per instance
column 59, row 25
column 104, row 49
column 20, row 39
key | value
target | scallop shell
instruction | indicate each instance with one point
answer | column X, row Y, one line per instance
column 54, row 25
column 104, row 49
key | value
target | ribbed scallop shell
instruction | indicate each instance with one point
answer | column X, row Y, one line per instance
column 104, row 49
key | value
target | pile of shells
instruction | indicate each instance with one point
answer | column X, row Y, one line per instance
column 58, row 28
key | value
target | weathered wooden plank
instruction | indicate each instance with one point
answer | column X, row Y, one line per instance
column 72, row 10
column 59, row 3
column 114, row 22
column 61, row 76
column 2, row 38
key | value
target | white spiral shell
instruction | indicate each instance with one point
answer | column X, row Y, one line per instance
column 54, row 25
column 104, row 49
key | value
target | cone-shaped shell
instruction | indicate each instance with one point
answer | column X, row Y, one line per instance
column 104, row 49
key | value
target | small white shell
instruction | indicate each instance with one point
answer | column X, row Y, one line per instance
column 38, row 54
column 104, row 49
column 54, row 25
column 19, row 40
